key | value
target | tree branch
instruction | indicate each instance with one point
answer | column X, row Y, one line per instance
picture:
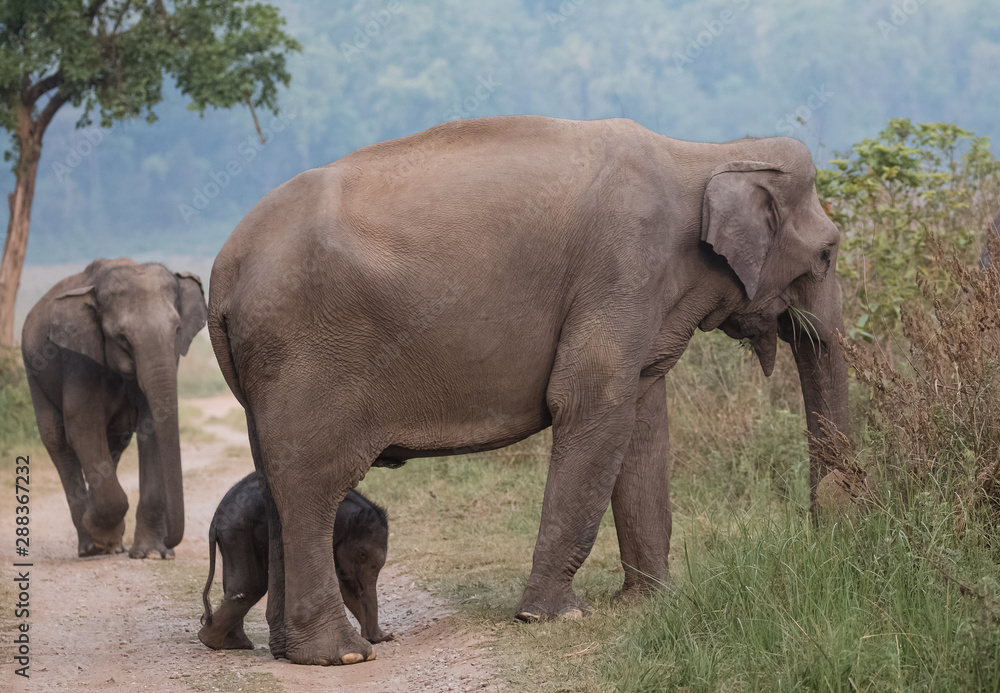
column 40, row 87
column 95, row 7
column 255, row 121
column 45, row 117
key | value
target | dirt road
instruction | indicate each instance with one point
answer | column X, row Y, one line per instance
column 115, row 624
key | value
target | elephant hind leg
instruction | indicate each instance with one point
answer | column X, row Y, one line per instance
column 275, row 613
column 244, row 582
column 308, row 472
column 226, row 629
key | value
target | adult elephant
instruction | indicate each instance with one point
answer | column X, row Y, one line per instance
column 468, row 286
column 101, row 351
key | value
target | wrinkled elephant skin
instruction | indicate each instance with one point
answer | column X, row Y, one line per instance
column 101, row 350
column 240, row 528
column 468, row 286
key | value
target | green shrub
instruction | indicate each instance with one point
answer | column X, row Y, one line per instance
column 887, row 194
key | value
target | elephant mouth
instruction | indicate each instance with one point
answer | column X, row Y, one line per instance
column 765, row 345
column 762, row 335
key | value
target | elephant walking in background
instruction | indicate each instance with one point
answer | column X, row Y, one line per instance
column 101, row 350
column 468, row 286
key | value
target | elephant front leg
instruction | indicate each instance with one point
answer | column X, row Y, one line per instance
column 589, row 440
column 641, row 498
column 101, row 524
column 71, row 476
column 150, row 515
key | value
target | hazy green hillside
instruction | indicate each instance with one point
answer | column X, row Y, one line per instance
column 827, row 73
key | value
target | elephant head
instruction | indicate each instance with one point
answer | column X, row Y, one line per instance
column 764, row 218
column 137, row 320
column 361, row 537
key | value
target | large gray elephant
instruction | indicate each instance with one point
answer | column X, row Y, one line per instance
column 468, row 286
column 101, row 350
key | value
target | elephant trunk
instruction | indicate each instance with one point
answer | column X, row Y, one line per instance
column 824, row 378
column 363, row 603
column 368, row 618
column 159, row 384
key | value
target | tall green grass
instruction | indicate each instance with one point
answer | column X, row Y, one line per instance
column 776, row 603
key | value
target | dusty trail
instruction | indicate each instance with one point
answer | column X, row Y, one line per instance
column 116, row 624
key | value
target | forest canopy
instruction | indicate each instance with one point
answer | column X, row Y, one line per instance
column 829, row 74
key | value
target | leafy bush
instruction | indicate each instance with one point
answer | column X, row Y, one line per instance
column 887, row 194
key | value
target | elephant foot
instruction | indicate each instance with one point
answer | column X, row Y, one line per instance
column 235, row 639
column 641, row 588
column 349, row 649
column 89, row 548
column 380, row 636
column 149, row 548
column 563, row 605
column 277, row 646
column 96, row 540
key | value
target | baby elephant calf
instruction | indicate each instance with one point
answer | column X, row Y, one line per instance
column 360, row 539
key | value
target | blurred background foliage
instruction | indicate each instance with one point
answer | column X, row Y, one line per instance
column 828, row 74
column 890, row 195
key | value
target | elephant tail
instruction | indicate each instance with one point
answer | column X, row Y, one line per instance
column 218, row 330
column 206, row 618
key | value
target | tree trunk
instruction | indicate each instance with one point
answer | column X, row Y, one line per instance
column 29, row 138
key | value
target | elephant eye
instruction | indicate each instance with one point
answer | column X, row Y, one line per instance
column 123, row 340
column 825, row 255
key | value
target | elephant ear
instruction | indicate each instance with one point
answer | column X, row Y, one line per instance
column 738, row 218
column 74, row 324
column 191, row 307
